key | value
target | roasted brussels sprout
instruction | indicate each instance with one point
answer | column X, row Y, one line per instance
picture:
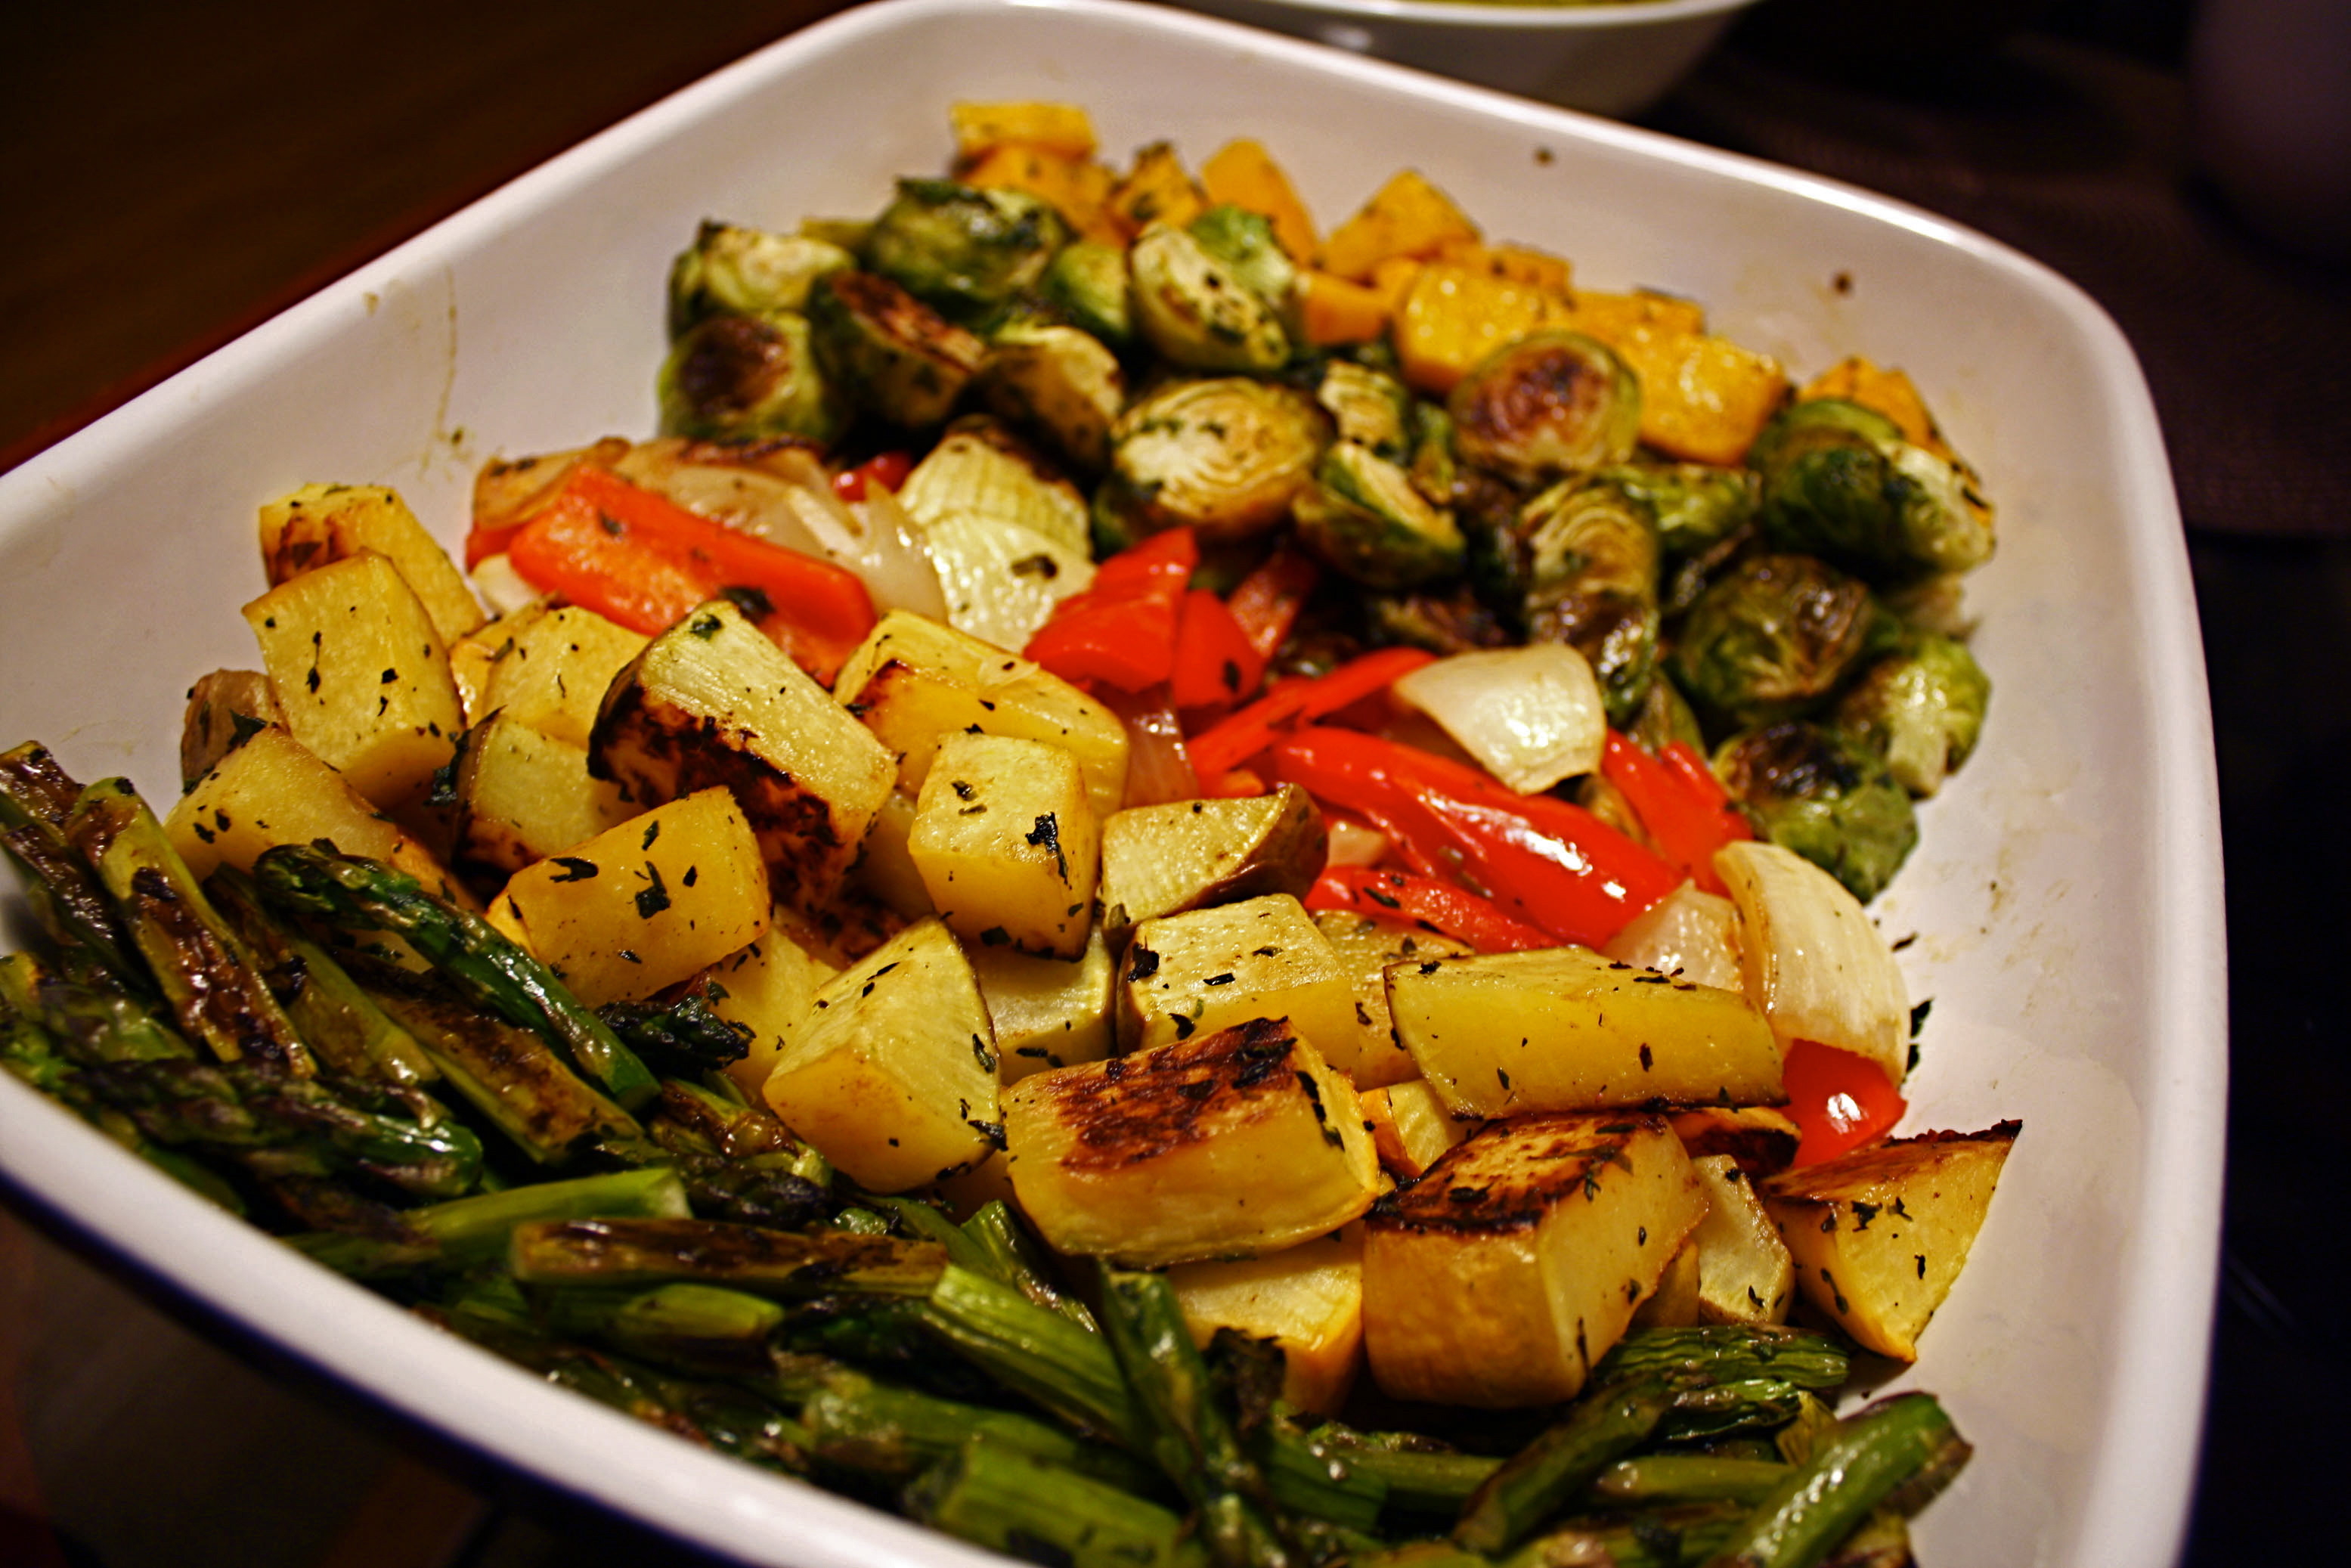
column 1921, row 708
column 1086, row 284
column 1840, row 482
column 1590, row 561
column 747, row 378
column 1665, row 716
column 1430, row 430
column 1774, row 639
column 1225, row 455
column 895, row 355
column 741, row 271
column 1367, row 406
column 1824, row 795
column 1695, row 506
column 968, row 253
column 1549, row 403
column 1449, row 621
column 1244, row 241
column 1060, row 382
column 1195, row 311
column 1362, row 515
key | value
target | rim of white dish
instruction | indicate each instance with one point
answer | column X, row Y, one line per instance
column 1561, row 15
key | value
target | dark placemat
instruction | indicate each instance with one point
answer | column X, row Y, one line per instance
column 2081, row 158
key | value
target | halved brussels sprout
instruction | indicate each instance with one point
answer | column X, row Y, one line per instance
column 969, row 253
column 1824, row 795
column 1774, row 638
column 1368, row 406
column 1086, row 286
column 1590, row 561
column 1195, row 311
column 1363, row 516
column 1245, row 242
column 1839, row 481
column 1695, row 506
column 895, row 355
column 1452, row 621
column 1225, row 455
column 729, row 268
column 1665, row 716
column 1549, row 403
column 748, row 377
column 1920, row 708
column 1059, row 380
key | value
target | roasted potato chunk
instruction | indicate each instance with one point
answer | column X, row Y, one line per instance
column 712, row 701
column 1411, row 1128
column 1189, row 855
column 1744, row 1272
column 1879, row 1234
column 1366, row 947
column 1511, row 1267
column 321, row 523
column 1236, row 1142
column 523, row 796
column 1047, row 1013
column 551, row 671
column 1306, row 1299
column 1209, row 968
column 1005, row 842
column 769, row 988
column 225, row 709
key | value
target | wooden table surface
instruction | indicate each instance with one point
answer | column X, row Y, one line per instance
column 175, row 174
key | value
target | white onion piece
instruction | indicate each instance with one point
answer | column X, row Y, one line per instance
column 1689, row 933
column 1813, row 962
column 501, row 589
column 1353, row 844
column 1533, row 715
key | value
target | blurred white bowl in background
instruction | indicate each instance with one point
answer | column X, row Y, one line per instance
column 1613, row 59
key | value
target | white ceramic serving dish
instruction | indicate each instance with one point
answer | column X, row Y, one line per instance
column 1613, row 60
column 2066, row 900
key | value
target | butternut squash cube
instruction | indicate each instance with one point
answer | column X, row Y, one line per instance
column 1516, row 1263
column 1366, row 947
column 1047, row 1013
column 1245, row 174
column 1879, row 1234
column 647, row 903
column 1062, row 128
column 1208, row 969
column 1306, row 1299
column 892, row 1076
column 915, row 683
column 1234, row 1143
column 1704, row 399
column 322, row 523
column 1562, row 1029
column 1078, row 188
column 1406, row 216
column 1454, row 315
column 1157, row 190
column 361, row 675
column 713, row 701
column 1890, row 393
column 1006, row 844
column 1334, row 310
column 1744, row 1272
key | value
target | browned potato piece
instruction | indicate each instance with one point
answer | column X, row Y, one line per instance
column 645, row 904
column 712, row 701
column 1411, row 1127
column 1306, row 1299
column 1207, row 969
column 1233, row 1143
column 1676, row 1302
column 523, row 796
column 551, row 671
column 1761, row 1139
column 1366, row 947
column 770, row 987
column 361, row 675
column 1502, row 1276
column 1189, row 855
column 1879, row 1236
column 224, row 707
column 1562, row 1029
column 1047, row 1013
column 322, row 523
column 1005, row 843
column 1744, row 1272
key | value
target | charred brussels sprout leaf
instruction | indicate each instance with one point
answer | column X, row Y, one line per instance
column 892, row 353
column 1086, row 286
column 732, row 270
column 1921, row 708
column 1369, row 406
column 1244, row 241
column 1840, row 482
column 1697, row 507
column 1591, row 563
column 1824, row 795
column 1665, row 716
column 1059, row 381
column 1225, row 455
column 1452, row 621
column 749, row 378
column 1195, row 311
column 1774, row 639
column 1362, row 515
column 1547, row 404
column 968, row 253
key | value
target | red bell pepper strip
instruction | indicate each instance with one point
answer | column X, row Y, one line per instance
column 1685, row 825
column 1552, row 865
column 637, row 558
column 1267, row 602
column 1685, row 764
column 887, row 469
column 1840, row 1100
column 1215, row 665
column 1239, row 736
column 1438, row 905
column 1120, row 630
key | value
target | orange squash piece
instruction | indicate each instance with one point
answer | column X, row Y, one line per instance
column 1406, row 216
column 1245, row 174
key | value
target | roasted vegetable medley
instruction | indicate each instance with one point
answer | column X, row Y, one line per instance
column 1158, row 887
